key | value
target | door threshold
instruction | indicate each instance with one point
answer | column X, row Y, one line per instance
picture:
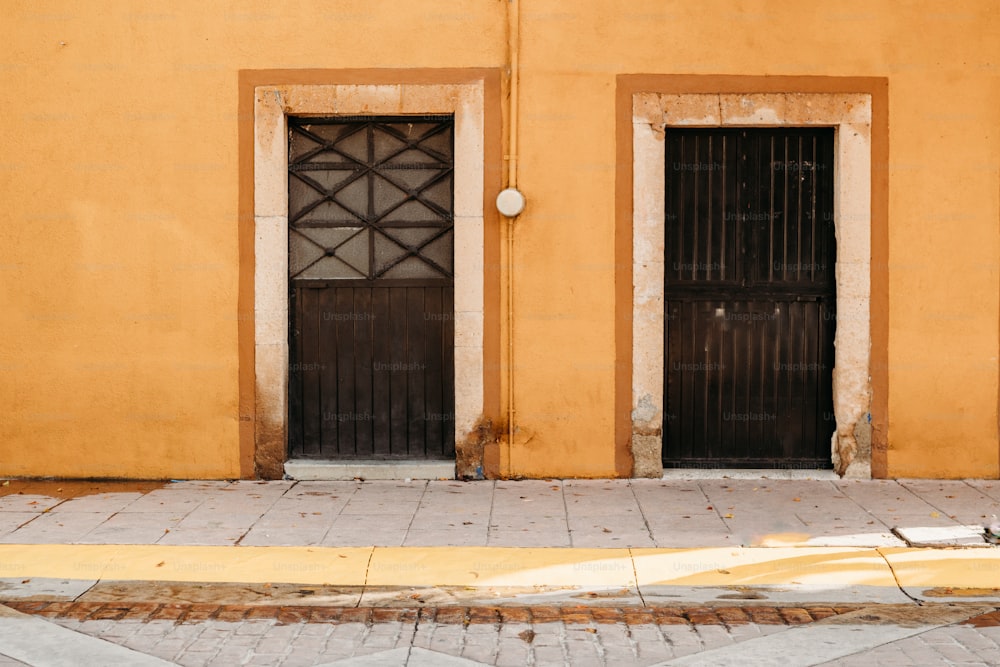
column 312, row 470
column 748, row 473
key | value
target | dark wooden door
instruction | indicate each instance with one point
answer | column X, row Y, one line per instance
column 371, row 288
column 749, row 298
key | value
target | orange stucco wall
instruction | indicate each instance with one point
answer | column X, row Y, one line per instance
column 119, row 259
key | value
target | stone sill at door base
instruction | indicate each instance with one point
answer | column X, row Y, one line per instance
column 748, row 473
column 311, row 470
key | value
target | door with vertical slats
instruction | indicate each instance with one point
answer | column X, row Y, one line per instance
column 371, row 276
column 749, row 298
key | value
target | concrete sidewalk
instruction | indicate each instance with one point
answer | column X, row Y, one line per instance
column 591, row 541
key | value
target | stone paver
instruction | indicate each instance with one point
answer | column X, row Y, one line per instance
column 290, row 636
column 951, row 645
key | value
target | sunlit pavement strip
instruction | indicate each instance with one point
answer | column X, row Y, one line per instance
column 34, row 641
column 829, row 639
column 631, row 571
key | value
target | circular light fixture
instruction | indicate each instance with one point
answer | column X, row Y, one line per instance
column 510, row 202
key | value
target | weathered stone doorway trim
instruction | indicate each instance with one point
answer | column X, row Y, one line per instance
column 850, row 114
column 272, row 104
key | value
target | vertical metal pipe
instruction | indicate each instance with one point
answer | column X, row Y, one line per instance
column 513, row 69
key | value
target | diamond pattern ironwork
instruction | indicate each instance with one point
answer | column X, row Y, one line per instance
column 371, row 198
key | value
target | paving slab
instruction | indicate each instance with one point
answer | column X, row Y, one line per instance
column 174, row 498
column 98, row 502
column 886, row 498
column 65, row 527
column 410, row 657
column 462, row 536
column 34, row 641
column 388, row 530
column 210, row 527
column 288, row 528
column 826, row 640
column 943, row 536
column 430, row 520
column 668, row 537
column 131, row 528
column 28, row 503
column 524, row 537
column 11, row 521
column 958, row 499
column 46, row 588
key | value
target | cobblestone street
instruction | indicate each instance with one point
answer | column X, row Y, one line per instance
column 194, row 635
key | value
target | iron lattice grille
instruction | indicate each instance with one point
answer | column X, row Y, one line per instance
column 371, row 199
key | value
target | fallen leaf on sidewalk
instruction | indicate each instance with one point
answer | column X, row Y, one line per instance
column 935, row 515
column 727, row 516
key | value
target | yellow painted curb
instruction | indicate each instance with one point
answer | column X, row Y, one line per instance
column 509, row 567
column 501, row 566
column 945, row 568
column 305, row 565
column 766, row 566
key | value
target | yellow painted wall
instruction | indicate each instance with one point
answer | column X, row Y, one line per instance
column 118, row 173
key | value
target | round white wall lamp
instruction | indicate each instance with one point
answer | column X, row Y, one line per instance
column 510, row 202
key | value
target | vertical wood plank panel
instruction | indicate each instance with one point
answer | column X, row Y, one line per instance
column 381, row 390
column 363, row 370
column 747, row 378
column 416, row 367
column 344, row 415
column 397, row 374
column 295, row 439
column 434, row 415
column 323, row 305
column 448, row 373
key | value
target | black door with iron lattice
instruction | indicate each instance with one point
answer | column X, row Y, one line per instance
column 371, row 287
column 750, row 307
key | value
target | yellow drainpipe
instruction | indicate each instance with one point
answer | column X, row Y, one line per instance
column 513, row 47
